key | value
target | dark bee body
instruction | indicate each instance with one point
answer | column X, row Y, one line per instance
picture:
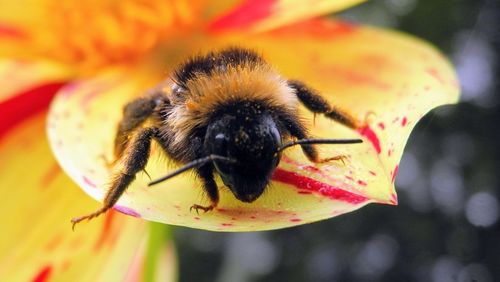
column 227, row 113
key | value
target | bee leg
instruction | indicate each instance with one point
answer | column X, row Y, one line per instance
column 313, row 156
column 341, row 158
column 299, row 131
column 317, row 104
column 134, row 114
column 210, row 187
column 134, row 162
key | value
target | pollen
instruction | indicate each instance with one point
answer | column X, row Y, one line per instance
column 190, row 105
column 97, row 33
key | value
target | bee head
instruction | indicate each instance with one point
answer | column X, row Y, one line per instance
column 250, row 136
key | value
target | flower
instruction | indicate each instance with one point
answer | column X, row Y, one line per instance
column 97, row 55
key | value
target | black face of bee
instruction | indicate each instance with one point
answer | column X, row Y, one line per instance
column 250, row 136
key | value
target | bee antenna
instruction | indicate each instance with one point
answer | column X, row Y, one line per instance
column 317, row 141
column 192, row 164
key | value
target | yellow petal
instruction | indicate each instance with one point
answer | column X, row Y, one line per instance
column 261, row 15
column 37, row 243
column 18, row 76
column 27, row 89
column 388, row 78
column 18, row 20
column 15, row 19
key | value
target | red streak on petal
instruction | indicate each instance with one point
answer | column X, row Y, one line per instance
column 244, row 15
column 43, row 274
column 88, row 181
column 50, row 175
column 127, row 211
column 404, row 121
column 350, row 178
column 10, row 32
column 106, row 230
column 372, row 137
column 295, row 220
column 305, row 192
column 26, row 104
column 227, row 224
column 394, row 173
column 372, row 173
column 306, row 183
column 381, row 125
column 362, row 183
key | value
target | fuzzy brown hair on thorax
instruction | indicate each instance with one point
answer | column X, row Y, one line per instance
column 206, row 92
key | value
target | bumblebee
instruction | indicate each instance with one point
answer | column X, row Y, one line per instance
column 226, row 113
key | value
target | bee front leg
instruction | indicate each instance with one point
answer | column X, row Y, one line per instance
column 299, row 131
column 135, row 114
column 313, row 156
column 210, row 187
column 135, row 161
column 319, row 105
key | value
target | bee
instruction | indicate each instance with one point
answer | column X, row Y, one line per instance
column 226, row 113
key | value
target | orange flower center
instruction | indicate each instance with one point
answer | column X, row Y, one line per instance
column 97, row 33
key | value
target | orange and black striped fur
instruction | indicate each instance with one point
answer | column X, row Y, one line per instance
column 227, row 113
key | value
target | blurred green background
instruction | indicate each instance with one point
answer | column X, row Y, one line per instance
column 446, row 226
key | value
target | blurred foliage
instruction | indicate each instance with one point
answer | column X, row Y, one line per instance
column 446, row 226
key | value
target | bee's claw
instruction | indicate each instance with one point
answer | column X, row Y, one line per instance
column 341, row 158
column 198, row 207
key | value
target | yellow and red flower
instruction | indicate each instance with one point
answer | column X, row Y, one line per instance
column 97, row 55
